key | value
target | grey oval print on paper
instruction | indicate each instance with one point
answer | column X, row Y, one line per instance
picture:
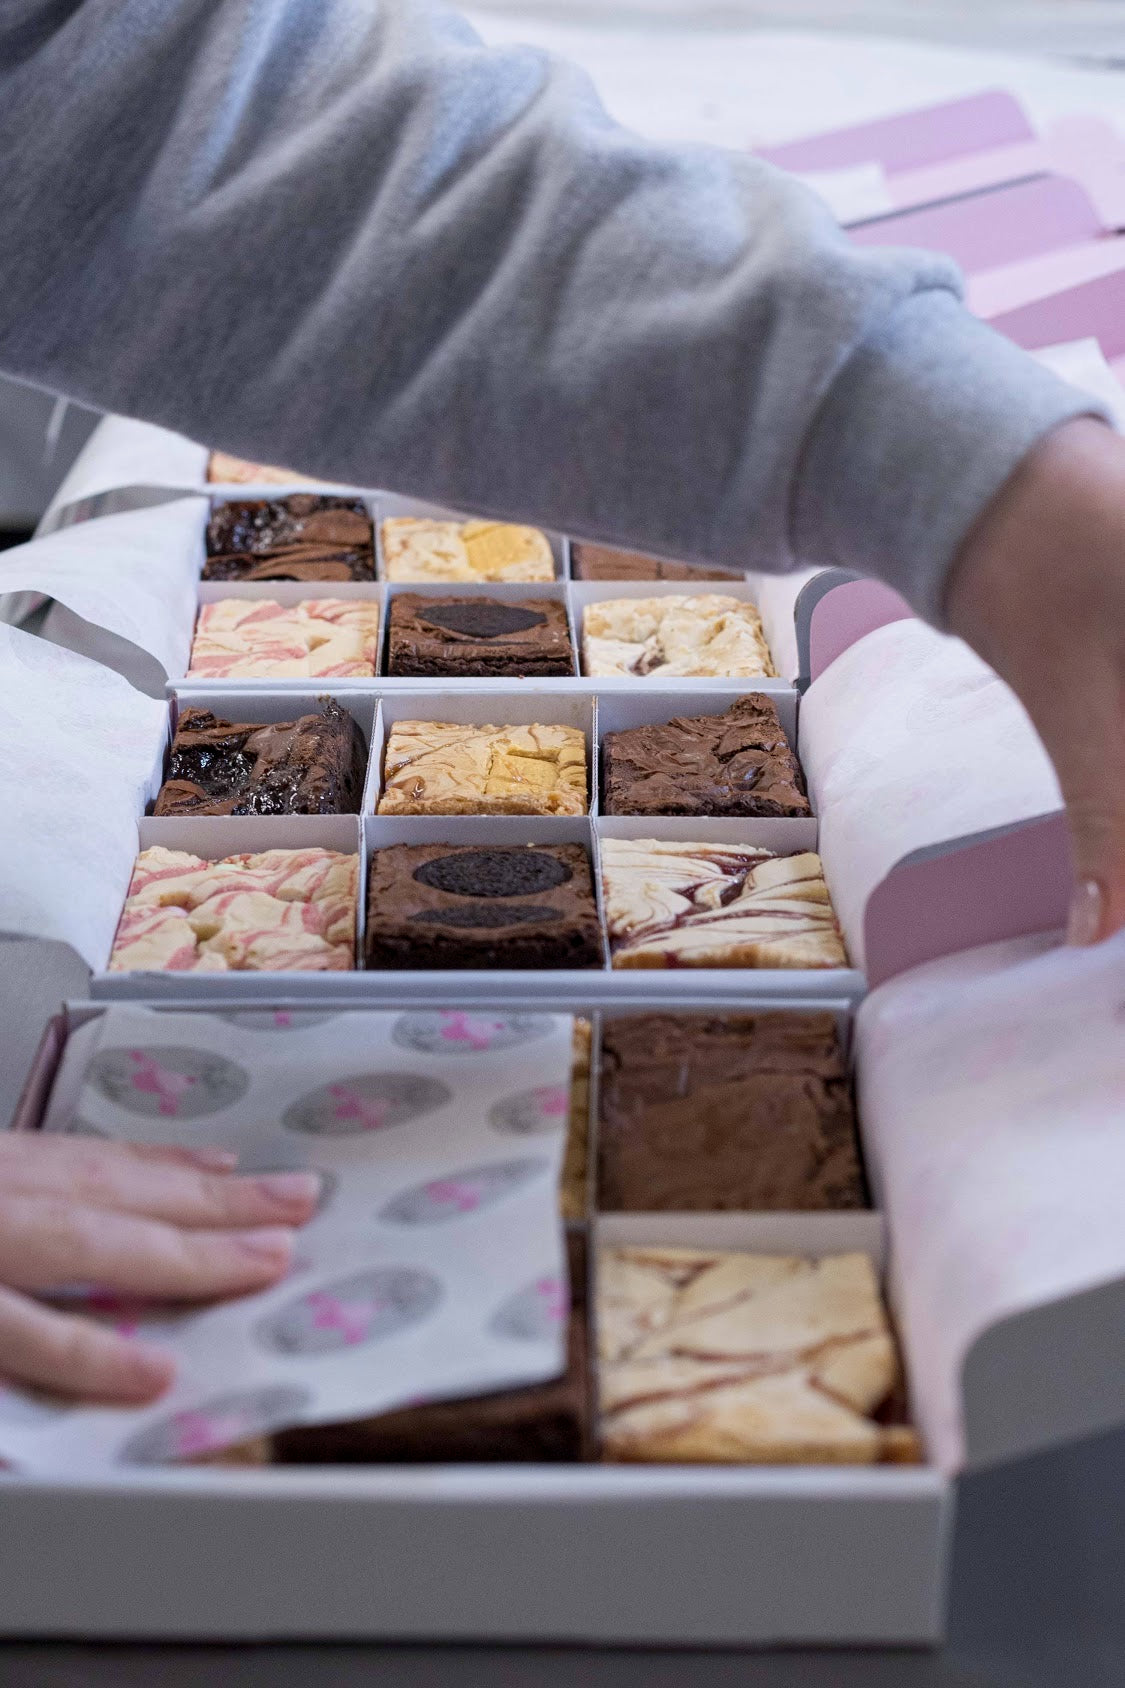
column 530, row 1113
column 217, row 1423
column 534, row 1313
column 366, row 1102
column 461, row 1193
column 167, row 1082
column 363, row 1308
column 275, row 1019
column 461, row 1032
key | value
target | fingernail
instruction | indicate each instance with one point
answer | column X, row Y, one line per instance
column 290, row 1188
column 150, row 1369
column 1087, row 908
column 213, row 1160
column 273, row 1247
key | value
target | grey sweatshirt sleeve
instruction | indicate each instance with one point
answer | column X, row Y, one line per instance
column 342, row 234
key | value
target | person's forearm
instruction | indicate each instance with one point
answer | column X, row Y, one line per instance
column 344, row 235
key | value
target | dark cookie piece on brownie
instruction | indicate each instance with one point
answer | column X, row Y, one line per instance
column 461, row 906
column 478, row 637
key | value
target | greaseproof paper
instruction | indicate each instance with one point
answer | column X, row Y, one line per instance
column 434, row 1267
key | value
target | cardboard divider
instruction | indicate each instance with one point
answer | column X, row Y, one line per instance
column 387, row 504
column 782, row 837
column 1006, row 882
column 983, row 231
column 1093, row 308
column 993, row 294
column 811, row 1234
column 912, row 140
column 836, row 609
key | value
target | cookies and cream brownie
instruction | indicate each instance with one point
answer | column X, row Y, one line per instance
column 417, row 548
column 477, row 637
column 314, row 765
column 279, row 910
column 305, row 537
column 716, row 905
column 258, row 638
column 706, row 634
column 602, row 562
column 737, row 763
column 482, row 906
column 447, row 768
column 703, row 1112
column 730, row 1358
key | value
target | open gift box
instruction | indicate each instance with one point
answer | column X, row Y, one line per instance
column 689, row 1554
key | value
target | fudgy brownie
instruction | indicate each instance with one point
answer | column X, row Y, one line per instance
column 468, row 905
column 601, row 562
column 304, row 537
column 737, row 763
column 312, row 766
column 543, row 1422
column 746, row 1111
column 478, row 637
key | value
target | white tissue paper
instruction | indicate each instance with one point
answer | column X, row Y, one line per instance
column 991, row 1087
column 908, row 739
column 134, row 575
column 81, row 754
column 434, row 1267
column 121, row 452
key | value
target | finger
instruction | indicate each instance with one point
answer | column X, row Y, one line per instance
column 48, row 1243
column 23, row 1145
column 111, row 1176
column 72, row 1356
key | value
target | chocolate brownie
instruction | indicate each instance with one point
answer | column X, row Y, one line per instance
column 738, row 763
column 600, row 562
column 746, row 1111
column 311, row 766
column 542, row 1422
column 478, row 637
column 487, row 906
column 304, row 537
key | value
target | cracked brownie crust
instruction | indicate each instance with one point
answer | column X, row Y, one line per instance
column 701, row 1113
column 737, row 763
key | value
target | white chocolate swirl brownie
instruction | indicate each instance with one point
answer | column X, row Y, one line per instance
column 716, row 905
column 707, row 634
column 447, row 768
column 744, row 1358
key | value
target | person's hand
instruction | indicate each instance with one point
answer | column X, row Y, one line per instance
column 155, row 1223
column 1038, row 590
